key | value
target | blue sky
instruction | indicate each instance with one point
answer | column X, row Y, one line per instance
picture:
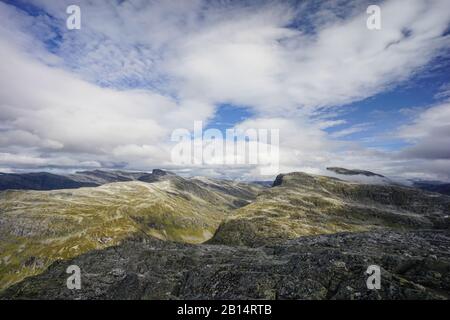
column 385, row 112
column 227, row 116
column 110, row 95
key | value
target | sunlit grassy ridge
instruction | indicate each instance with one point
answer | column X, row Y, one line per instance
column 304, row 205
column 39, row 227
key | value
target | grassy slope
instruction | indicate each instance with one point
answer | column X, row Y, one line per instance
column 39, row 227
column 304, row 205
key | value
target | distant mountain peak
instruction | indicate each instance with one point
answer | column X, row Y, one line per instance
column 161, row 172
column 354, row 172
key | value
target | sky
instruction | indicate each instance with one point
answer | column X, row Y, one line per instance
column 110, row 94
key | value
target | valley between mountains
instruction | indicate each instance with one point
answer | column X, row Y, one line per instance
column 158, row 235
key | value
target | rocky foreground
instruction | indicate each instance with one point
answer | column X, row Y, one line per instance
column 414, row 264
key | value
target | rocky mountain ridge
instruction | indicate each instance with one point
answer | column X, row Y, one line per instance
column 80, row 179
column 39, row 227
column 301, row 204
column 162, row 236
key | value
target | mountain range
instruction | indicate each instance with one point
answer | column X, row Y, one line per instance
column 50, row 181
column 157, row 235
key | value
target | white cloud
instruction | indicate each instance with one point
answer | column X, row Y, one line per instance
column 444, row 92
column 429, row 133
column 187, row 56
column 253, row 60
column 44, row 107
column 351, row 130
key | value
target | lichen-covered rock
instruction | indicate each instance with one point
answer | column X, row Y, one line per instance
column 414, row 265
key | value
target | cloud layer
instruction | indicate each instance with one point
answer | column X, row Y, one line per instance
column 111, row 94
